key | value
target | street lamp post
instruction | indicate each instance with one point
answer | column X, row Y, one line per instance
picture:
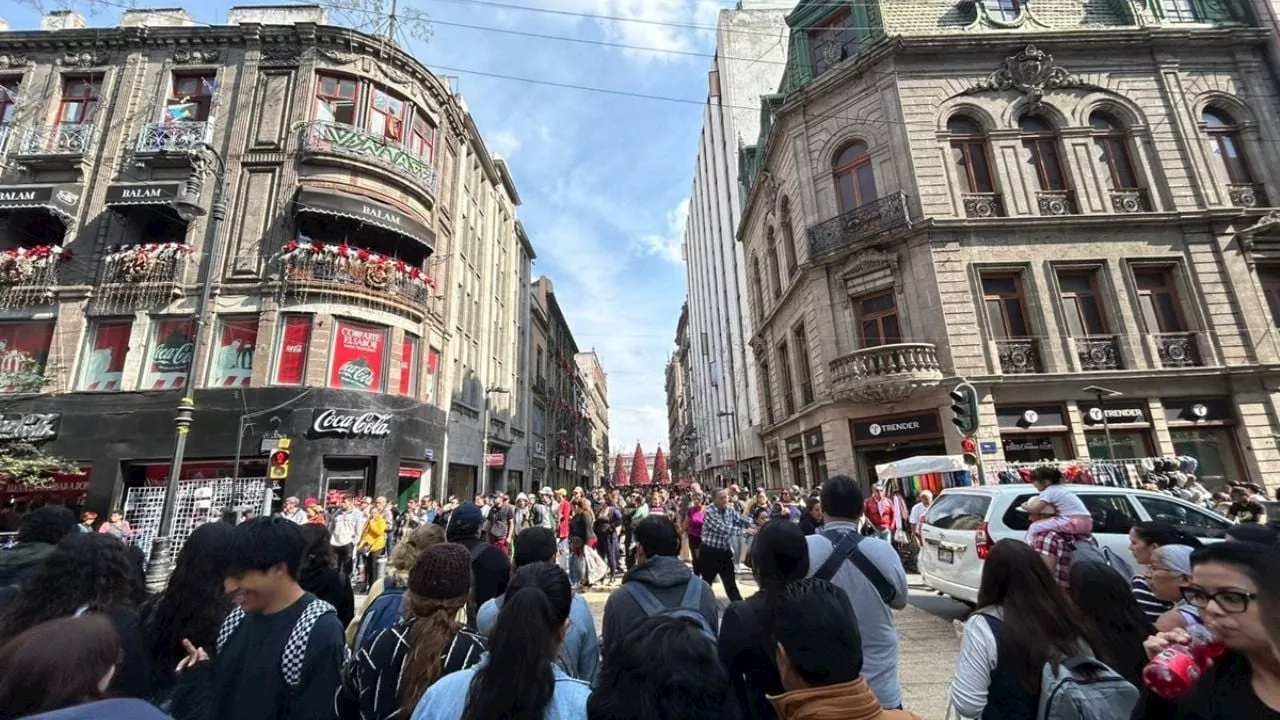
column 1101, row 393
column 205, row 161
column 484, row 443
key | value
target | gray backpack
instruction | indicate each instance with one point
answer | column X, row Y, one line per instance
column 1082, row 688
column 1087, row 552
column 690, row 607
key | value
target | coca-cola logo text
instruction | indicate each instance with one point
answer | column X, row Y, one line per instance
column 351, row 423
column 174, row 354
column 356, row 373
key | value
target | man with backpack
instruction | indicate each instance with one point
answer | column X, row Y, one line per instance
column 659, row 584
column 490, row 568
column 870, row 572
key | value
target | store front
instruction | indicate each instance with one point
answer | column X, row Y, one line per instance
column 1126, row 424
column 816, row 458
column 894, row 437
column 1034, row 433
column 1205, row 429
column 795, row 460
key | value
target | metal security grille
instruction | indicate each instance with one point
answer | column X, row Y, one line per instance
column 198, row 502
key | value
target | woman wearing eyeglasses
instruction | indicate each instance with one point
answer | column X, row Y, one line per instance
column 1245, row 682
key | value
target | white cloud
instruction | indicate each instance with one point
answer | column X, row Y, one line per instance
column 664, row 27
column 669, row 245
column 503, row 142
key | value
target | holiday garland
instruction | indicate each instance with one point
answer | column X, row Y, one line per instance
column 376, row 271
column 22, row 263
column 137, row 263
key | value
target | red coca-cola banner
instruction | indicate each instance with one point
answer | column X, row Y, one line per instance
column 104, row 357
column 409, row 365
column 232, row 364
column 172, row 345
column 359, row 356
column 291, row 364
column 24, row 350
column 433, row 373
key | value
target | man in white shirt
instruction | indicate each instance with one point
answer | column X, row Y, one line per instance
column 345, row 530
column 918, row 511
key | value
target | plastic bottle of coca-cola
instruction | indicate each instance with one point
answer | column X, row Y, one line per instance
column 1178, row 667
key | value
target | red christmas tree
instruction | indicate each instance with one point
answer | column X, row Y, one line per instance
column 639, row 468
column 660, row 474
column 620, row 471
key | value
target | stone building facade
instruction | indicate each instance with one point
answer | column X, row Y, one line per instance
column 680, row 432
column 595, row 394
column 561, row 427
column 346, row 162
column 1039, row 202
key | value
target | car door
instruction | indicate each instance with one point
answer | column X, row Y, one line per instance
column 1201, row 523
column 949, row 548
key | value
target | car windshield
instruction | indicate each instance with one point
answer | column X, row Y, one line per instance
column 958, row 511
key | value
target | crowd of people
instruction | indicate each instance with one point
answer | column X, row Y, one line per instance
column 475, row 611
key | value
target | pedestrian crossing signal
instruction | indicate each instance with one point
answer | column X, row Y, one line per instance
column 278, row 467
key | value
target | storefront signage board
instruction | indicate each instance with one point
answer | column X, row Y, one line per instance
column 350, row 424
column 896, row 428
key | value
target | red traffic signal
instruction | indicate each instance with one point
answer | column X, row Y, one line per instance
column 968, row 445
column 280, row 457
column 278, row 467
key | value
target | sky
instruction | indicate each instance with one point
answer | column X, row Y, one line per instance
column 604, row 178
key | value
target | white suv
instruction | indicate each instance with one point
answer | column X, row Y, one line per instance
column 964, row 523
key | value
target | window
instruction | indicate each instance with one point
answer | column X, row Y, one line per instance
column 232, row 363
column 958, row 511
column 831, row 41
column 9, row 89
column 877, row 318
column 855, row 180
column 788, row 237
column 969, row 154
column 192, row 97
column 757, row 285
column 1182, row 11
column 1003, row 10
column 24, row 352
column 295, row 341
column 336, row 99
column 79, row 101
column 359, row 357
column 102, row 366
column 1041, row 141
column 422, row 138
column 1195, row 521
column 433, row 375
column 1081, row 305
column 172, row 345
column 1006, row 310
column 1158, row 296
column 768, row 390
column 788, row 387
column 386, row 116
column 1224, row 134
column 802, row 365
column 1269, row 277
column 1112, row 514
column 1113, row 151
column 409, row 351
column 774, row 274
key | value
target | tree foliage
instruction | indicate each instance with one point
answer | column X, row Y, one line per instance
column 620, row 471
column 660, row 474
column 26, row 462
column 639, row 468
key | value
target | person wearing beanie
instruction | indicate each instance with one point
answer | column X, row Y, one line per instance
column 491, row 567
column 403, row 557
column 38, row 532
column 386, row 678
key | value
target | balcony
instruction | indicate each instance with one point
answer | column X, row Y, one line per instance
column 1098, row 352
column 848, row 230
column 1130, row 200
column 1020, row 356
column 1177, row 350
column 887, row 373
column 354, row 273
column 28, row 275
column 321, row 137
column 6, row 129
column 1055, row 202
column 172, row 137
column 140, row 276
column 982, row 205
column 1246, row 195
column 61, row 140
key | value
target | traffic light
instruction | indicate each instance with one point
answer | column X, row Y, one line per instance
column 278, row 466
column 964, row 409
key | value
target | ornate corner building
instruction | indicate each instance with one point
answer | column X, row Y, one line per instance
column 346, row 257
column 1043, row 198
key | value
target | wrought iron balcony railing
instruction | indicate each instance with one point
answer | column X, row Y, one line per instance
column 173, row 137
column 61, row 139
column 1055, row 202
column 1246, row 195
column 1177, row 350
column 1130, row 200
column 304, row 273
column 982, row 205
column 142, row 275
column 28, row 275
column 1098, row 352
column 886, row 373
column 6, row 130
column 332, row 138
column 1019, row 356
column 846, row 230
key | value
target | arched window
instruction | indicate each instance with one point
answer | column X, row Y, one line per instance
column 1224, row 133
column 1003, row 10
column 788, row 236
column 774, row 275
column 1041, row 141
column 1110, row 138
column 757, row 285
column 969, row 153
column 855, row 180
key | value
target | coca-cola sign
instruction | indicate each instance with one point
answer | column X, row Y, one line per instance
column 329, row 422
column 356, row 374
column 359, row 357
column 31, row 426
column 170, row 354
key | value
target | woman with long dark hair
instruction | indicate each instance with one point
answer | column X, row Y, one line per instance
column 1144, row 539
column 321, row 577
column 65, row 663
column 191, row 607
column 88, row 572
column 779, row 555
column 581, row 536
column 520, row 679
column 1104, row 599
column 1023, row 621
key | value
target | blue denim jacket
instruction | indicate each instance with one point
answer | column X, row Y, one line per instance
column 448, row 697
column 580, row 653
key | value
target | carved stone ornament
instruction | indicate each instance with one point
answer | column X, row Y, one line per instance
column 186, row 56
column 770, row 186
column 85, row 59
column 13, row 61
column 869, row 261
column 1261, row 239
column 1030, row 72
column 394, row 75
column 283, row 54
column 336, row 56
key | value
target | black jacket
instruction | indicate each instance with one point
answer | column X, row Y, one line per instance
column 19, row 564
column 748, row 652
column 665, row 577
column 490, row 569
column 333, row 587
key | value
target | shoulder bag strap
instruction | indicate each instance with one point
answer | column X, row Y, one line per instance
column 645, row 599
column 692, row 599
column 846, row 548
column 228, row 627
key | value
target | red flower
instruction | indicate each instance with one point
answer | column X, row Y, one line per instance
column 344, row 250
column 415, row 273
column 400, row 265
column 362, row 254
column 291, row 246
column 317, row 247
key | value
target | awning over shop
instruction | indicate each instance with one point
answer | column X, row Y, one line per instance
column 143, row 200
column 354, row 207
column 61, row 201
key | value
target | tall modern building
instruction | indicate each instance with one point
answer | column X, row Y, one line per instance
column 751, row 51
